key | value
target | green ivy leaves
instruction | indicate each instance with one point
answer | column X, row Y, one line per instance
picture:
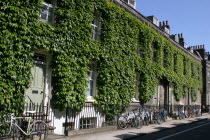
column 72, row 49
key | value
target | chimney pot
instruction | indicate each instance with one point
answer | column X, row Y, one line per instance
column 163, row 23
column 166, row 22
column 178, row 35
column 181, row 35
column 160, row 23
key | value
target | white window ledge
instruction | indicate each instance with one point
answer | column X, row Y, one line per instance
column 90, row 99
column 134, row 100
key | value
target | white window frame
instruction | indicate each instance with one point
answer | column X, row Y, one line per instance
column 132, row 4
column 137, row 82
column 47, row 12
column 96, row 26
column 90, row 91
column 94, row 32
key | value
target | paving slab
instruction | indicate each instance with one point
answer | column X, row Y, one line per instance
column 131, row 132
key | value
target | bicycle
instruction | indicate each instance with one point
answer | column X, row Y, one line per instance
column 138, row 119
column 147, row 116
column 156, row 116
column 163, row 114
column 197, row 111
column 128, row 119
column 181, row 114
column 32, row 129
column 190, row 112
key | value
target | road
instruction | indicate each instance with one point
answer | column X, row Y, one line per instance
column 194, row 131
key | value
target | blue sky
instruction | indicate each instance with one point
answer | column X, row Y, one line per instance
column 190, row 17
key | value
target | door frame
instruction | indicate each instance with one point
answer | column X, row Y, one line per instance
column 47, row 95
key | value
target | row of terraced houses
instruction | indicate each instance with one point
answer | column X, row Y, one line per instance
column 41, row 89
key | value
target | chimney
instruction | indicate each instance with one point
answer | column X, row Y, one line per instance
column 201, row 52
column 181, row 40
column 154, row 20
column 175, row 37
column 164, row 25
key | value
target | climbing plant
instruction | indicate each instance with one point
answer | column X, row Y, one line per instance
column 69, row 41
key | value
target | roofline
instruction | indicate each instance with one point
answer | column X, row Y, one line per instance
column 160, row 31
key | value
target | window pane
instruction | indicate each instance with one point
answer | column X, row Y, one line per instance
column 44, row 16
column 91, row 79
column 45, row 7
column 47, row 12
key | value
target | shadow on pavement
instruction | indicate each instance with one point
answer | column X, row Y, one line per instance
column 178, row 124
column 129, row 135
column 54, row 136
column 161, row 128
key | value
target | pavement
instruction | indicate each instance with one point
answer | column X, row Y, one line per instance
column 131, row 132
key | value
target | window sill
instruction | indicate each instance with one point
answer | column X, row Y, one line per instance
column 135, row 101
column 90, row 99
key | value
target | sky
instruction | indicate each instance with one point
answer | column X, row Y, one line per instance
column 189, row 17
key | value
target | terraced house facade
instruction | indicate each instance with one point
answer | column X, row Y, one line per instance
column 68, row 53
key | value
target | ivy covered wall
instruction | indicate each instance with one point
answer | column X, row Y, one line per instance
column 69, row 41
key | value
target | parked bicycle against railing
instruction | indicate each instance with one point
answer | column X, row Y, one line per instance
column 156, row 116
column 152, row 115
column 181, row 114
column 189, row 112
column 138, row 117
column 31, row 129
column 197, row 111
column 131, row 119
column 146, row 115
column 163, row 114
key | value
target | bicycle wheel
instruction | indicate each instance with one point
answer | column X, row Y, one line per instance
column 164, row 117
column 16, row 133
column 138, row 122
column 157, row 118
column 122, row 125
column 146, row 119
column 39, row 130
column 181, row 115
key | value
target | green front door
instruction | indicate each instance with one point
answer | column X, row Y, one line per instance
column 35, row 94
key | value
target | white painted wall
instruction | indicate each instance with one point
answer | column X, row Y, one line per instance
column 59, row 119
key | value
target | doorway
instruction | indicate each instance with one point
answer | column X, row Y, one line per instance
column 35, row 94
column 163, row 93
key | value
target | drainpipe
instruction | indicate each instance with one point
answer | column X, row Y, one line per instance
column 65, row 130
